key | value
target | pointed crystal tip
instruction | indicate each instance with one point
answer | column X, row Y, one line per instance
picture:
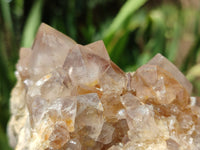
column 164, row 63
column 71, row 96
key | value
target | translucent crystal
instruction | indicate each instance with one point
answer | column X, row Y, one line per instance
column 98, row 48
column 24, row 62
column 83, row 66
column 106, row 134
column 49, row 50
column 89, row 115
column 130, row 102
column 72, row 144
column 112, row 107
column 73, row 97
column 162, row 62
column 113, row 79
column 154, row 83
column 59, row 136
column 172, row 145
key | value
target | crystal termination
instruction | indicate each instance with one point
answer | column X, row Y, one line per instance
column 73, row 97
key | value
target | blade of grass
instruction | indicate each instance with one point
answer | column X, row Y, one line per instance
column 194, row 72
column 8, row 41
column 172, row 46
column 174, row 30
column 32, row 23
column 3, row 140
column 192, row 56
column 119, row 48
column 119, row 41
column 125, row 12
column 193, row 76
column 18, row 7
column 5, row 8
column 157, row 42
column 70, row 17
column 118, row 44
column 5, row 86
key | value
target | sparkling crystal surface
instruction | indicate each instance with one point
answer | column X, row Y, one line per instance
column 73, row 97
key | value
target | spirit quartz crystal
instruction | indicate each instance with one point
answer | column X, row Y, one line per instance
column 73, row 97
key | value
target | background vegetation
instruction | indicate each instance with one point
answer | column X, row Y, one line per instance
column 133, row 31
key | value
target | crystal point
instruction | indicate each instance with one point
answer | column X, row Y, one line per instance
column 73, row 97
column 162, row 62
column 49, row 50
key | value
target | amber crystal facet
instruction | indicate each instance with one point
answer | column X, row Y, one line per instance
column 73, row 97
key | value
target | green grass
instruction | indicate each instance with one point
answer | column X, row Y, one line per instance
column 133, row 32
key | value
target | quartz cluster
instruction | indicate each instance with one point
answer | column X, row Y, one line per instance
column 73, row 97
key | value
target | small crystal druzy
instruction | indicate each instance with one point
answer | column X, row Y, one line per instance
column 73, row 97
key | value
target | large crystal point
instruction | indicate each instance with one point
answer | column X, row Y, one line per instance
column 73, row 97
column 162, row 62
column 48, row 43
column 152, row 83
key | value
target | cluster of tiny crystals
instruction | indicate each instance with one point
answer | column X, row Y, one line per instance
column 73, row 97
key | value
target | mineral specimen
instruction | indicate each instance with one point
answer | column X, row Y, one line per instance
column 73, row 97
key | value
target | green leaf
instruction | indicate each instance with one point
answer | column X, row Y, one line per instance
column 5, row 10
column 128, row 9
column 32, row 23
column 3, row 140
column 194, row 72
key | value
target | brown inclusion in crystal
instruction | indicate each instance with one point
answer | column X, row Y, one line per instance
column 73, row 97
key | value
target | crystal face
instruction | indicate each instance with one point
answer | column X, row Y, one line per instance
column 73, row 97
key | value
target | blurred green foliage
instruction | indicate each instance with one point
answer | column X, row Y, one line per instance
column 133, row 32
